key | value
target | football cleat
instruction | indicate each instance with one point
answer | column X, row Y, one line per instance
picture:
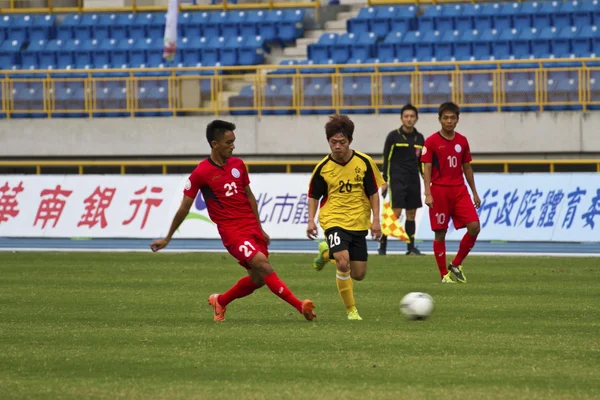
column 447, row 279
column 219, row 311
column 321, row 260
column 457, row 273
column 354, row 316
column 308, row 308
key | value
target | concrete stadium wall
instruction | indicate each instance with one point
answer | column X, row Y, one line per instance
column 546, row 132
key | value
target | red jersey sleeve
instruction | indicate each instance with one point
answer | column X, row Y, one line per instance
column 427, row 152
column 193, row 183
column 467, row 155
column 245, row 175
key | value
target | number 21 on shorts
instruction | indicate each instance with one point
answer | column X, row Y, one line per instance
column 334, row 239
column 247, row 248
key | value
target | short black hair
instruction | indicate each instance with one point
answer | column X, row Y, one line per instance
column 339, row 123
column 449, row 106
column 216, row 129
column 409, row 107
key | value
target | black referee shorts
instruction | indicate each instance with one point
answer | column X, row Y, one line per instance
column 405, row 192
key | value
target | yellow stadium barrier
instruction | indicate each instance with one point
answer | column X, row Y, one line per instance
column 32, row 6
column 174, row 166
column 215, row 90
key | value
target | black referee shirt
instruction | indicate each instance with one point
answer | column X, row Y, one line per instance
column 402, row 154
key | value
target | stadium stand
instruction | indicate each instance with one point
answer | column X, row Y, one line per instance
column 485, row 56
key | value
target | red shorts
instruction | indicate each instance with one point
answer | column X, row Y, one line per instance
column 451, row 202
column 245, row 246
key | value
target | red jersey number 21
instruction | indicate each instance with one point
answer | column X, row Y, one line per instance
column 247, row 248
column 231, row 189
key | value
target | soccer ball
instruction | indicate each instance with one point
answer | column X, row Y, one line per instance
column 416, row 305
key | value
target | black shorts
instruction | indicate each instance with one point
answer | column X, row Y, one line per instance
column 355, row 242
column 405, row 192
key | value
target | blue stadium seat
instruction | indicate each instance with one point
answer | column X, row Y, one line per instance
column 231, row 27
column 381, row 23
column 321, row 50
column 267, row 28
column 340, row 50
column 464, row 17
column 139, row 27
column 19, row 30
column 156, row 28
column 69, row 97
column 253, row 51
column 387, row 48
column 245, row 99
column 563, row 87
column 364, row 48
column 30, row 56
column 10, row 54
column 230, row 50
column 362, row 22
column 396, row 92
column 291, row 26
column 427, row 21
column 437, row 89
column 520, row 91
column 42, row 28
column 478, row 90
column 251, row 26
column 66, row 29
column 102, row 28
column 281, row 97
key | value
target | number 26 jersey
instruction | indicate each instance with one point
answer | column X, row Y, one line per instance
column 446, row 158
column 344, row 191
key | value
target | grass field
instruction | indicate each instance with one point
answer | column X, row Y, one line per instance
column 109, row 325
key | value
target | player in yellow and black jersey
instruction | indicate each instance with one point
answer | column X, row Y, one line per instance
column 346, row 183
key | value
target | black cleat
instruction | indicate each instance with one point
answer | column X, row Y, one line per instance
column 457, row 273
column 414, row 252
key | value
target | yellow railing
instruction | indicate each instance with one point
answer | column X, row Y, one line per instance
column 32, row 6
column 168, row 166
column 132, row 92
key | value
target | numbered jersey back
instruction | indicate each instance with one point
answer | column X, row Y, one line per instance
column 447, row 158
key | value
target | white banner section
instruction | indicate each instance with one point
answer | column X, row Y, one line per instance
column 528, row 207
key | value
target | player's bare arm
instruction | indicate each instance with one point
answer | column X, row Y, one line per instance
column 254, row 206
column 468, row 171
column 311, row 231
column 184, row 209
column 375, row 207
column 427, row 184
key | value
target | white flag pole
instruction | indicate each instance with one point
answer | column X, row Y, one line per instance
column 170, row 45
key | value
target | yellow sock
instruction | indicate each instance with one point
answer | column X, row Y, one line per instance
column 346, row 289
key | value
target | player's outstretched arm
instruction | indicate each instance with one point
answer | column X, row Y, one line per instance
column 254, row 206
column 184, row 209
column 427, row 184
column 468, row 171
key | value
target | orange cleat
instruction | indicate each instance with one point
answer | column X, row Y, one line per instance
column 219, row 310
column 308, row 308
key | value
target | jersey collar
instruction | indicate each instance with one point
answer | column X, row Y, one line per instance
column 343, row 164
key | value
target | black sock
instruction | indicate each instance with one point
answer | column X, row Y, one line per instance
column 410, row 228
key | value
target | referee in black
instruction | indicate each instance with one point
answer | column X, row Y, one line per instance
column 401, row 170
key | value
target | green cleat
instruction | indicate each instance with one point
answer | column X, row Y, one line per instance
column 321, row 260
column 354, row 316
column 447, row 279
column 457, row 273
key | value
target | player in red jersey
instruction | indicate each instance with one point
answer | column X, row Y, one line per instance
column 446, row 157
column 224, row 183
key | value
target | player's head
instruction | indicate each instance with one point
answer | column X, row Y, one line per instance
column 448, row 115
column 409, row 115
column 339, row 130
column 220, row 137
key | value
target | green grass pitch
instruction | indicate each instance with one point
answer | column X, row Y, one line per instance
column 137, row 326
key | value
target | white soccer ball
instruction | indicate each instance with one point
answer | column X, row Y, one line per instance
column 416, row 305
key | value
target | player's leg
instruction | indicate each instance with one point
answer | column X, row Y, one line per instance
column 438, row 219
column 464, row 215
column 413, row 201
column 244, row 287
column 339, row 242
column 260, row 263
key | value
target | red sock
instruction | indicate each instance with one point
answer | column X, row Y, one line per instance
column 466, row 244
column 242, row 288
column 439, row 250
column 280, row 289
